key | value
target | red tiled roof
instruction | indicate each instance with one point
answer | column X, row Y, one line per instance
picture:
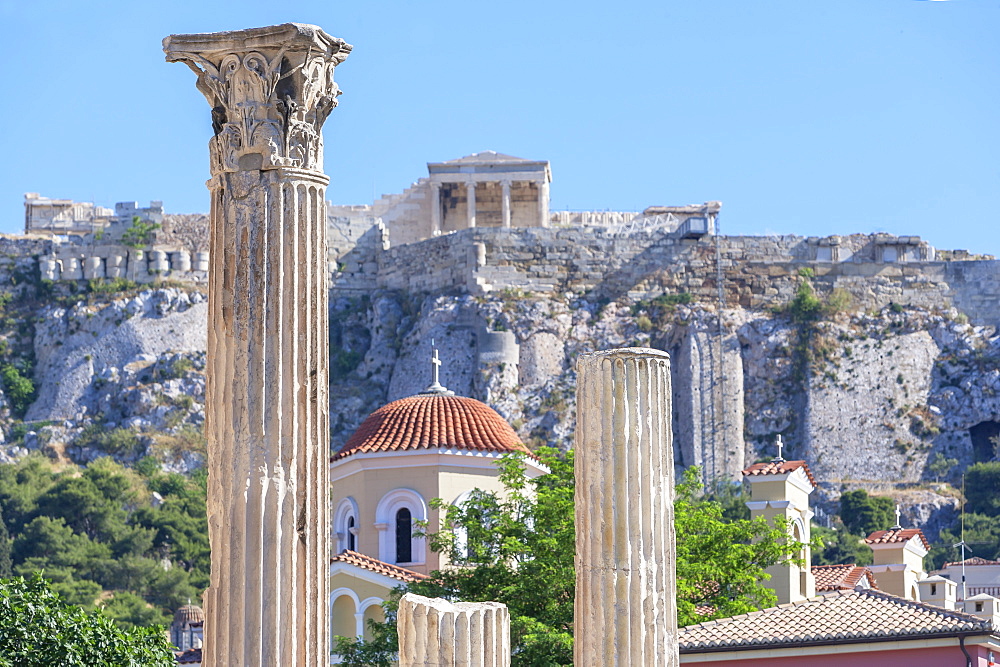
column 429, row 421
column 975, row 560
column 377, row 566
column 897, row 536
column 858, row 615
column 779, row 468
column 841, row 577
column 192, row 656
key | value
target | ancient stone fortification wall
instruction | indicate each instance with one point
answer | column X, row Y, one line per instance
column 757, row 271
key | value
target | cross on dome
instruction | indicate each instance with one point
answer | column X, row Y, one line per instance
column 897, row 526
column 778, row 459
column 436, row 387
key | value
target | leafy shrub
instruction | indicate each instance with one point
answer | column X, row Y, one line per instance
column 39, row 630
column 20, row 389
column 110, row 286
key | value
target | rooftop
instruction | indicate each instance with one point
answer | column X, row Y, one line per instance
column 975, row 560
column 432, row 421
column 779, row 467
column 834, row 617
column 897, row 535
column 377, row 566
column 842, row 577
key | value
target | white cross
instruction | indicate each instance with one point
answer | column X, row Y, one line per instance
column 780, row 445
column 897, row 516
column 436, row 364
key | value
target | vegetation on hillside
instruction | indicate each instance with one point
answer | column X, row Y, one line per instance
column 95, row 532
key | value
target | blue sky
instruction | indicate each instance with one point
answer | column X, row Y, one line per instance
column 807, row 117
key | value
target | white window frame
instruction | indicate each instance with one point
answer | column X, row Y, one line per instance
column 346, row 508
column 385, row 522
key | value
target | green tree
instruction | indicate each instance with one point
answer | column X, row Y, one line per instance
column 38, row 629
column 137, row 237
column 838, row 546
column 720, row 564
column 863, row 514
column 518, row 548
column 131, row 611
column 982, row 488
column 20, row 390
column 941, row 465
column 5, row 562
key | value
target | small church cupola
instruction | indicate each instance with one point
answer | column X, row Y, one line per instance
column 898, row 555
column 782, row 488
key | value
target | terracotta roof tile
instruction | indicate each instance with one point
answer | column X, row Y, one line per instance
column 897, row 536
column 779, row 468
column 192, row 656
column 830, row 618
column 377, row 566
column 975, row 560
column 429, row 421
column 841, row 577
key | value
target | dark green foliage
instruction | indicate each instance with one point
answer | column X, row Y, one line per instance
column 130, row 611
column 982, row 488
column 140, row 234
column 837, row 547
column 19, row 388
column 863, row 514
column 111, row 285
column 5, row 563
column 806, row 306
column 94, row 529
column 982, row 534
column 38, row 629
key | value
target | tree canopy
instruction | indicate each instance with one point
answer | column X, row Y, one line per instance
column 96, row 529
column 38, row 629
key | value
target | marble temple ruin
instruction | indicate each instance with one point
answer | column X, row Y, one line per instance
column 270, row 90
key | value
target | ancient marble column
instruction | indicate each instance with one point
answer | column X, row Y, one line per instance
column 625, row 612
column 435, row 632
column 435, row 209
column 543, row 204
column 470, row 197
column 505, row 202
column 270, row 90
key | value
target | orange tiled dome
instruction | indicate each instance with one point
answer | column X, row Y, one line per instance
column 431, row 420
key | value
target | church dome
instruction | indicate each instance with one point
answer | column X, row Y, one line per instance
column 431, row 420
column 188, row 614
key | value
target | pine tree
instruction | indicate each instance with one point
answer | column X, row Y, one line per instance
column 5, row 567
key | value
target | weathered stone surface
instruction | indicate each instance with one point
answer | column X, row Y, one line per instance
column 270, row 90
column 625, row 611
column 436, row 633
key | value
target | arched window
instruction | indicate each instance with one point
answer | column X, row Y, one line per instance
column 404, row 536
column 345, row 525
column 397, row 544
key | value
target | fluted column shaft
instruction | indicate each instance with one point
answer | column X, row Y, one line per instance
column 436, row 633
column 625, row 611
column 268, row 349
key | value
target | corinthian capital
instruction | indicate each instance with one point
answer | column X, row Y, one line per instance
column 270, row 90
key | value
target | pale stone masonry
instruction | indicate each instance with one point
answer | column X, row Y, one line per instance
column 270, row 90
column 436, row 633
column 625, row 611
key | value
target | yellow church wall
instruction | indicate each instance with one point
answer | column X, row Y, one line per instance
column 362, row 588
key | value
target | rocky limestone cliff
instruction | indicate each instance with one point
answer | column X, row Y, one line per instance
column 869, row 397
